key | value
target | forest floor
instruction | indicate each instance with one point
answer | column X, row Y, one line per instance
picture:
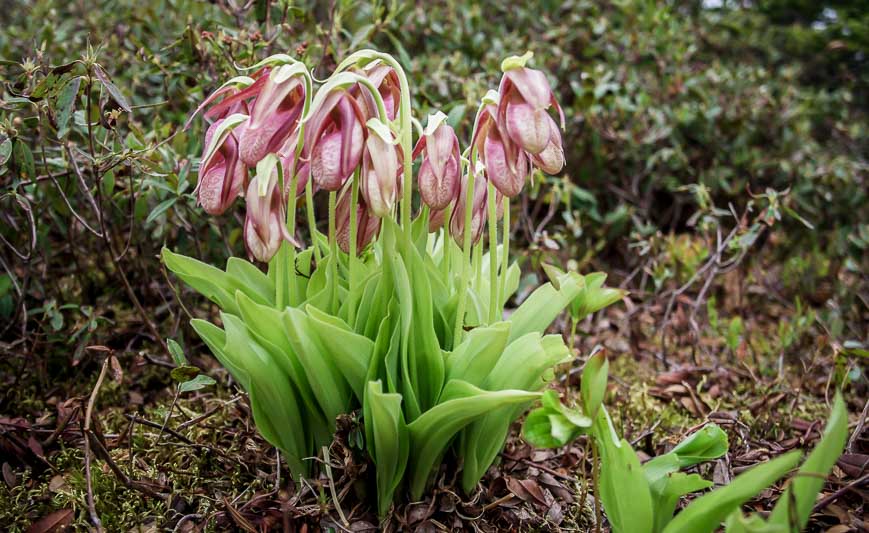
column 755, row 360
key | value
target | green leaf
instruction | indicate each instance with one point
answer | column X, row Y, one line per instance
column 460, row 404
column 161, row 208
column 351, row 351
column 66, row 105
column 388, row 441
column 273, row 399
column 5, row 151
column 625, row 492
column 526, row 364
column 177, row 352
column 112, row 89
column 476, row 356
column 706, row 513
column 211, row 282
column 199, row 382
column 23, row 159
column 709, row 443
column 184, row 373
column 329, row 385
column 545, row 304
column 799, row 498
column 594, row 380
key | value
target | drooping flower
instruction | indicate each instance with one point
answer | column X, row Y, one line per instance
column 439, row 172
column 438, row 218
column 334, row 140
column 222, row 175
column 385, row 79
column 367, row 224
column 505, row 162
column 551, row 159
column 264, row 225
column 274, row 115
column 381, row 176
column 478, row 209
column 525, row 98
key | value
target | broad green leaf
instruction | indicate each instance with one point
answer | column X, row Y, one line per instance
column 266, row 325
column 387, row 440
column 177, row 352
column 161, row 208
column 625, row 492
column 5, row 151
column 329, row 386
column 594, row 296
column 432, row 431
column 66, row 105
column 709, row 443
column 545, row 304
column 427, row 362
column 476, row 356
column 246, row 274
column 706, row 513
column 112, row 89
column 594, row 380
column 273, row 399
column 209, row 281
column 199, row 382
column 22, row 157
column 524, row 365
column 351, row 351
column 799, row 498
column 739, row 523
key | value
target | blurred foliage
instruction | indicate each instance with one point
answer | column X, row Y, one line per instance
column 682, row 117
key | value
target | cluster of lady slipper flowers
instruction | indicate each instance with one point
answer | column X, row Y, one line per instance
column 301, row 143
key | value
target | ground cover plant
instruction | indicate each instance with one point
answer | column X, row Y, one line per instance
column 713, row 167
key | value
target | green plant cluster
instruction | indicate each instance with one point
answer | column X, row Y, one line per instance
column 642, row 497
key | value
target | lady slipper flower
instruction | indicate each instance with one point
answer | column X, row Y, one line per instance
column 385, row 79
column 274, row 115
column 439, row 172
column 523, row 107
column 551, row 159
column 334, row 140
column 264, row 223
column 436, row 219
column 367, row 225
column 222, row 175
column 381, row 169
column 478, row 209
column 506, row 164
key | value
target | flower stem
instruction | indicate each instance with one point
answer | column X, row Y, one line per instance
column 312, row 222
column 333, row 251
column 291, row 229
column 466, row 267
column 354, row 206
column 493, row 255
column 505, row 257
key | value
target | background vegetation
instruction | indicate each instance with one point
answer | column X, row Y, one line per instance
column 716, row 167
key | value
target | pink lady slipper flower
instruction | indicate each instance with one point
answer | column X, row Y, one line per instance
column 265, row 221
column 505, row 162
column 274, row 115
column 367, row 224
column 222, row 175
column 478, row 209
column 334, row 138
column 523, row 107
column 381, row 169
column 439, row 172
column 385, row 79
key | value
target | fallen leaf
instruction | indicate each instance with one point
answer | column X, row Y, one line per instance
column 52, row 522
